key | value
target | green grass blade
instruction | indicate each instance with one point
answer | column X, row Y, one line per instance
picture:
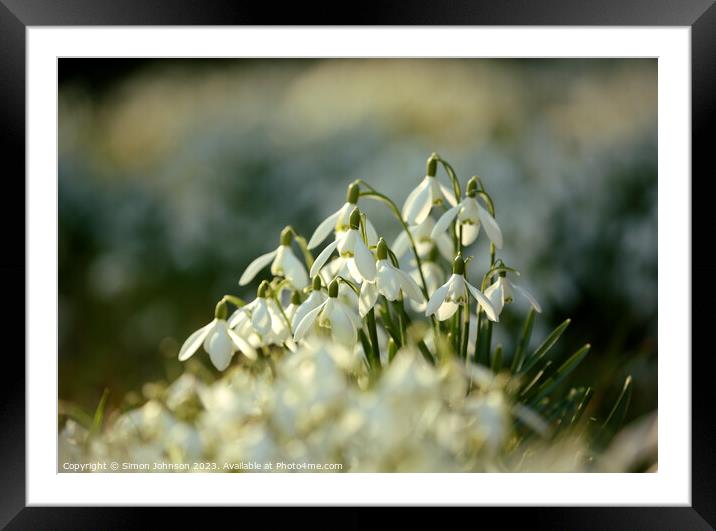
column 99, row 412
column 497, row 359
column 562, row 373
column 518, row 357
column 616, row 417
column 547, row 344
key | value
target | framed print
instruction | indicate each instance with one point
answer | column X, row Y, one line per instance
column 436, row 259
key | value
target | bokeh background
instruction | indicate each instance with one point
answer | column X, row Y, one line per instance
column 175, row 174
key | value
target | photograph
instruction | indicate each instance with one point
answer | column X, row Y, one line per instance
column 336, row 265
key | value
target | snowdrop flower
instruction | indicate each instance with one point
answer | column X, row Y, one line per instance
column 425, row 243
column 339, row 221
column 390, row 282
column 333, row 315
column 219, row 341
column 283, row 263
column 501, row 293
column 313, row 301
column 446, row 299
column 427, row 194
column 353, row 250
column 470, row 215
column 262, row 321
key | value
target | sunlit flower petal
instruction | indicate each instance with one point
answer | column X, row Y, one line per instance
column 326, row 226
column 192, row 344
column 257, row 265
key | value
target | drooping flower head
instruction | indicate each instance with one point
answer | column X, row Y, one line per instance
column 339, row 221
column 331, row 315
column 471, row 216
column 283, row 263
column 353, row 250
column 429, row 193
column 219, row 341
column 448, row 297
column 390, row 282
column 501, row 292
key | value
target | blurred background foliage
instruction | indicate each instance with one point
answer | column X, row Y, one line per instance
column 174, row 174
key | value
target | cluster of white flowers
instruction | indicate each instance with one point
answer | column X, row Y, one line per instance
column 319, row 405
column 357, row 275
column 336, row 366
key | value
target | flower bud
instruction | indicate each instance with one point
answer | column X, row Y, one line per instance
column 286, row 236
column 333, row 288
column 296, row 298
column 382, row 250
column 458, row 265
column 354, row 221
column 221, row 311
column 353, row 193
column 263, row 290
column 316, row 283
column 472, row 187
column 431, row 167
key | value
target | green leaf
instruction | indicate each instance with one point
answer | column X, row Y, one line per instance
column 588, row 394
column 547, row 344
column 561, row 374
column 616, row 417
column 497, row 359
column 99, row 412
column 518, row 358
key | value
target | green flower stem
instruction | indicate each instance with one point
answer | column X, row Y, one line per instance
column 236, row 301
column 366, row 346
column 399, row 307
column 389, row 324
column 453, row 177
column 283, row 314
column 396, row 212
column 466, row 331
column 457, row 337
column 373, row 333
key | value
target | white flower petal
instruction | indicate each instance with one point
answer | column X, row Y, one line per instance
column 446, row 310
column 484, row 302
column 256, row 266
column 408, row 204
column 421, row 205
column 314, row 300
column 242, row 345
column 527, row 295
column 219, row 345
column 494, row 294
column 409, row 286
column 364, row 261
column 388, row 281
column 444, row 222
column 342, row 328
column 491, row 227
column 322, row 258
column 323, row 230
column 444, row 243
column 371, row 233
column 194, row 341
column 368, row 298
column 260, row 317
column 469, row 233
column 448, row 194
column 437, row 299
column 401, row 245
column 294, row 270
column 305, row 325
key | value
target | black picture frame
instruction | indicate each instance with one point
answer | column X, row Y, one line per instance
column 16, row 15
